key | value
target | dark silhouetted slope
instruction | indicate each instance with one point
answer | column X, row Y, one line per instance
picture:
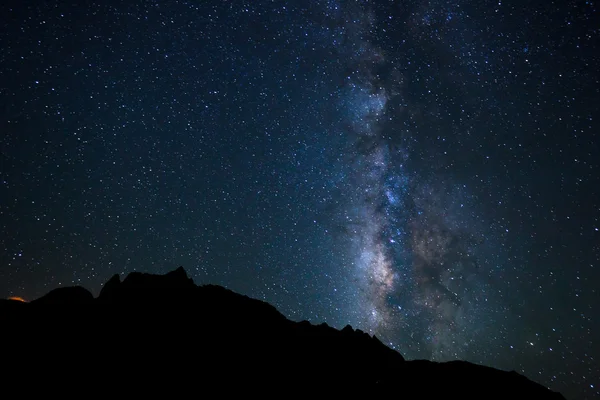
column 151, row 335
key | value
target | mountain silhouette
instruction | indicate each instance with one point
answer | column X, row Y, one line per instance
column 163, row 335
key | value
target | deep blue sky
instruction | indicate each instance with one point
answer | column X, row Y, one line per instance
column 427, row 171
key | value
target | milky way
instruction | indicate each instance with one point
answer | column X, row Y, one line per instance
column 426, row 171
column 415, row 272
column 364, row 101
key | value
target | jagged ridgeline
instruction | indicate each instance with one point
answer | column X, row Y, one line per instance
column 151, row 334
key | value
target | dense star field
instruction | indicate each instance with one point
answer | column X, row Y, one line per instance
column 426, row 171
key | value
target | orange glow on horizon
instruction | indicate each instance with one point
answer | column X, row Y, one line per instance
column 17, row 298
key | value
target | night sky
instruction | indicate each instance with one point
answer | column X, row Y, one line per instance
column 426, row 171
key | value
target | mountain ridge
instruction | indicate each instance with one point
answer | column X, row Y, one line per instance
column 159, row 323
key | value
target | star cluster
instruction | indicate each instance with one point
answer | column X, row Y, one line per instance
column 426, row 171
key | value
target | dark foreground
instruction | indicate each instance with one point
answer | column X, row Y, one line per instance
column 161, row 335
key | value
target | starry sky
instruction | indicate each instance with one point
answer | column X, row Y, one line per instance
column 426, row 171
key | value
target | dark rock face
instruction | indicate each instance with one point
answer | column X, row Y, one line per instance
column 65, row 297
column 162, row 334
